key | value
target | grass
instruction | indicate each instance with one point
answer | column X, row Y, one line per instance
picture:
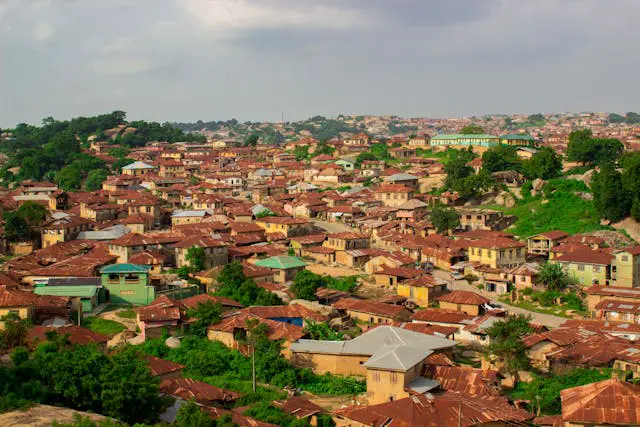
column 126, row 314
column 103, row 326
column 560, row 310
column 559, row 209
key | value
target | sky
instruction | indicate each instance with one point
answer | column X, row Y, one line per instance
column 184, row 60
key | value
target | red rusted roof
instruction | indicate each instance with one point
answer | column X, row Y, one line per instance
column 440, row 315
column 159, row 366
column 77, row 335
column 464, row 297
column 203, row 393
column 277, row 330
column 610, row 402
column 369, row 307
column 192, row 302
column 619, row 306
column 464, row 379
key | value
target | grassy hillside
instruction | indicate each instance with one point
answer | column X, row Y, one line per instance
column 560, row 207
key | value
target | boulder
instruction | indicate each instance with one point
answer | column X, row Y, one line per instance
column 537, row 184
column 172, row 342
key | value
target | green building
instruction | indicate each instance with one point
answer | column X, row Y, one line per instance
column 518, row 140
column 127, row 284
column 345, row 164
column 457, row 139
column 88, row 295
column 284, row 267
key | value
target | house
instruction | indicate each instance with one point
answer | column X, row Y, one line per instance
column 542, row 243
column 127, row 284
column 604, row 403
column 162, row 314
column 394, row 259
column 523, row 276
column 205, row 394
column 86, row 297
column 300, row 243
column 463, row 301
column 625, row 269
column 320, row 254
column 481, row 219
column 163, row 369
column 598, row 293
column 391, row 358
column 290, row 227
column 347, row 240
column 187, row 217
column 154, row 260
column 442, row 317
column 393, row 195
column 301, row 408
column 589, row 267
column 63, row 229
column 137, row 169
column 518, row 140
column 402, row 178
column 497, row 252
column 226, row 304
column 618, row 311
column 422, row 290
column 232, row 332
column 435, row 410
column 412, row 210
column 25, row 304
column 371, row 312
column 285, row 268
column 463, row 140
column 216, row 251
column 539, row 345
column 293, row 314
column 391, row 276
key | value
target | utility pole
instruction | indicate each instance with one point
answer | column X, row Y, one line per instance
column 253, row 365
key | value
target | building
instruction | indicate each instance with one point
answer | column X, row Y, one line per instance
column 187, row 217
column 518, row 140
column 481, row 219
column 463, row 301
column 599, row 293
column 498, row 252
column 290, row 227
column 541, row 244
column 372, row 313
column 137, row 169
column 216, row 251
column 625, row 270
column 589, row 267
column 463, row 140
column 393, row 195
column 285, row 268
column 127, row 284
column 63, row 229
column 422, row 290
column 345, row 241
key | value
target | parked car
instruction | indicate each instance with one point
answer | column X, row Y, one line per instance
column 456, row 275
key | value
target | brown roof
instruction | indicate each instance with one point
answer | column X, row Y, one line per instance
column 464, row 297
column 277, row 330
column 611, row 402
column 305, row 240
column 299, row 407
column 199, row 241
column 203, row 393
column 393, row 188
column 554, row 235
column 162, row 308
column 440, row 315
column 586, row 257
column 159, row 366
column 437, row 410
column 497, row 243
column 283, row 220
column 402, row 272
column 617, row 291
column 283, row 311
column 77, row 335
column 347, row 235
column 192, row 302
column 560, row 336
column 370, row 307
column 464, row 379
column 425, row 328
column 619, row 306
column 425, row 281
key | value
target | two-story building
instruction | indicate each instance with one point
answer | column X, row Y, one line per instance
column 127, row 284
column 497, row 252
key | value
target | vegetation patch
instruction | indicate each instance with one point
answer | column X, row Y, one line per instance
column 103, row 326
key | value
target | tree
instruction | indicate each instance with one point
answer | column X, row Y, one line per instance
column 191, row 415
column 264, row 213
column 582, row 147
column 301, row 152
column 545, row 164
column 196, row 258
column 609, row 196
column 14, row 333
column 444, row 218
column 322, row 331
column 16, row 228
column 506, row 346
column 95, row 179
column 234, row 285
column 501, row 158
column 554, row 277
column 305, row 285
column 205, row 315
column 33, row 213
column 252, row 140
column 69, row 178
column 472, row 130
column 323, row 148
column 232, row 275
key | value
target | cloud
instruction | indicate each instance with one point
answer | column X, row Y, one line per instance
column 43, row 32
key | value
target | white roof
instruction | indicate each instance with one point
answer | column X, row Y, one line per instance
column 137, row 165
column 401, row 177
column 188, row 213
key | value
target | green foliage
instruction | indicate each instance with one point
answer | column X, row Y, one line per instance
column 191, row 415
column 629, row 118
column 323, row 148
column 196, row 258
column 554, row 277
column 119, row 152
column 543, row 393
column 472, row 130
column 126, row 314
column 322, row 331
column 23, row 223
column 582, row 147
column 95, row 178
column 206, row 314
column 234, row 285
column 444, row 218
column 501, row 158
column 80, row 421
column 301, row 152
column 377, row 151
column 545, row 164
column 305, row 285
column 14, row 332
column 609, row 196
column 264, row 411
column 265, row 213
column 85, row 378
column 69, row 178
column 252, row 140
column 103, row 326
column 506, row 343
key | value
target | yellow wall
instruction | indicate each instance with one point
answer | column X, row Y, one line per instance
column 421, row 295
column 332, row 363
column 495, row 258
column 472, row 310
column 627, row 270
column 186, row 220
column 587, row 274
column 384, row 386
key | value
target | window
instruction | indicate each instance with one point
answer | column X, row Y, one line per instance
column 596, row 269
column 580, row 267
column 375, row 377
column 624, row 258
column 394, row 378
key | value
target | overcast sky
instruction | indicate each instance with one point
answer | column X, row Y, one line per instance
column 183, row 60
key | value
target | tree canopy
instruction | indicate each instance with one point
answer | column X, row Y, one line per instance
column 545, row 164
column 235, row 285
column 582, row 147
column 506, row 345
column 472, row 130
column 444, row 218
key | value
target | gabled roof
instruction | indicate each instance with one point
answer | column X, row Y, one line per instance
column 137, row 165
column 124, row 268
column 610, row 402
column 464, row 297
column 282, row 262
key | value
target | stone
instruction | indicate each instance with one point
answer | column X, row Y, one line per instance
column 173, row 342
column 537, row 184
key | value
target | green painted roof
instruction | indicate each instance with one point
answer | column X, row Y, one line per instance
column 67, row 291
column 343, row 162
column 125, row 268
column 281, row 262
column 449, row 136
column 518, row 136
